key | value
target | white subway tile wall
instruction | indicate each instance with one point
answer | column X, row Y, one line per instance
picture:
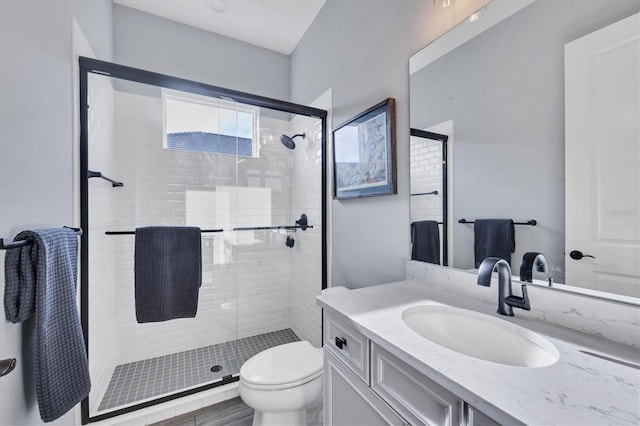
column 306, row 197
column 102, row 330
column 426, row 176
column 245, row 286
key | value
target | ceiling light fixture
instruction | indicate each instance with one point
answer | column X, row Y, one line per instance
column 219, row 6
column 443, row 3
column 477, row 15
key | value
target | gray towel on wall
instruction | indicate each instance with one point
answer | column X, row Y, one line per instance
column 42, row 278
column 168, row 272
column 425, row 241
column 493, row 238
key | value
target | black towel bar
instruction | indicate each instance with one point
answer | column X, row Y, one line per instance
column 531, row 222
column 262, row 228
column 252, row 228
column 301, row 223
column 28, row 241
column 425, row 193
column 134, row 232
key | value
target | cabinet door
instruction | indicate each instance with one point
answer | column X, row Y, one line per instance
column 418, row 399
column 348, row 401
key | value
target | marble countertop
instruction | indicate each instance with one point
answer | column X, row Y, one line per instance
column 579, row 389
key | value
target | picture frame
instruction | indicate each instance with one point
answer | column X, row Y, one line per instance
column 364, row 153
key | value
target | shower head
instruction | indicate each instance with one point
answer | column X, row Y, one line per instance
column 288, row 141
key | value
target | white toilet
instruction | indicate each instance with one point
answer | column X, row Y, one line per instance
column 283, row 384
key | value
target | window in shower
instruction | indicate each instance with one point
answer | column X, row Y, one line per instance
column 199, row 123
column 256, row 291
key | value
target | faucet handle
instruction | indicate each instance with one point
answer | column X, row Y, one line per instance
column 519, row 302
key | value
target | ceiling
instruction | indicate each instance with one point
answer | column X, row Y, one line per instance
column 273, row 24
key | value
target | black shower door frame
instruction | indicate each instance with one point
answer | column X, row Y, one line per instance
column 109, row 69
column 445, row 190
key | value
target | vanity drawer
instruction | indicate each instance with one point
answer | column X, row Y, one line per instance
column 348, row 345
column 416, row 398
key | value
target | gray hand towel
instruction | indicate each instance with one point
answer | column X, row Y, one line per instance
column 168, row 272
column 493, row 238
column 425, row 241
column 41, row 278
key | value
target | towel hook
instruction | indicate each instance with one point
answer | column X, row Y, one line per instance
column 92, row 174
column 7, row 366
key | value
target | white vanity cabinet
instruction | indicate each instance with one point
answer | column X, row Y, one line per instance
column 349, row 401
column 364, row 384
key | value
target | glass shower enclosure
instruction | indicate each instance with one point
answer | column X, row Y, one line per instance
column 249, row 172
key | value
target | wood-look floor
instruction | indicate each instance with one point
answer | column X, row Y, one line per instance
column 233, row 412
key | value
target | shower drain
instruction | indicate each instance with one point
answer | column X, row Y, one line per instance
column 216, row 368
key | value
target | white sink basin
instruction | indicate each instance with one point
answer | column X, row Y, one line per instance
column 480, row 336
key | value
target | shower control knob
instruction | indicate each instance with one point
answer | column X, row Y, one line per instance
column 290, row 242
column 577, row 255
column 341, row 342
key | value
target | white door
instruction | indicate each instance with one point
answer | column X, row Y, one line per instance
column 602, row 159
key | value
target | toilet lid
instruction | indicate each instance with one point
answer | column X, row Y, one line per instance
column 285, row 364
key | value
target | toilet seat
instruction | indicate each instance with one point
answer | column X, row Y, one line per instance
column 281, row 367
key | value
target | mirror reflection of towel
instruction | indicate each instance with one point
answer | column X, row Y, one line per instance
column 425, row 239
column 493, row 238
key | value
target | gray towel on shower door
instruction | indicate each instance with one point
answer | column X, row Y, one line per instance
column 425, row 241
column 42, row 278
column 168, row 272
column 493, row 238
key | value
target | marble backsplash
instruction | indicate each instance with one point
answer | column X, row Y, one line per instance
column 609, row 320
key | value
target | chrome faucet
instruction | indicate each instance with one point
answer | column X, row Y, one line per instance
column 506, row 300
column 531, row 260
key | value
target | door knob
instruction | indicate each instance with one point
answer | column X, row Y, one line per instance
column 577, row 255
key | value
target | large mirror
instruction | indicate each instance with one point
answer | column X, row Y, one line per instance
column 540, row 103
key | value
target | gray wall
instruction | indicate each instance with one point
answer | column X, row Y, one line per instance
column 36, row 148
column 504, row 91
column 157, row 44
column 360, row 49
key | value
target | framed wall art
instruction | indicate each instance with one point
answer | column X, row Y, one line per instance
column 364, row 154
